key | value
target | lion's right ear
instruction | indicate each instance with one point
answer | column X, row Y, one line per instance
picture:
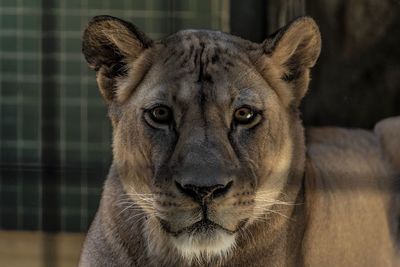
column 113, row 48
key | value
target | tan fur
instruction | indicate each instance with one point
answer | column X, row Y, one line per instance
column 327, row 198
column 388, row 133
column 351, row 191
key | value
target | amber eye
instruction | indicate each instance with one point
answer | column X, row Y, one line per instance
column 161, row 114
column 244, row 115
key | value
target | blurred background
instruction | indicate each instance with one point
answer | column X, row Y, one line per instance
column 54, row 133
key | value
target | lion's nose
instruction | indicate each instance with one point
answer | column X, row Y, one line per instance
column 204, row 193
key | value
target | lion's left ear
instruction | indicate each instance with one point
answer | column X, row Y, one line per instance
column 288, row 56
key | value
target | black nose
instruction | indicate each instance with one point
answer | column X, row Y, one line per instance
column 203, row 193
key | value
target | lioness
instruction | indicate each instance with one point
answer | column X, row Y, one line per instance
column 211, row 166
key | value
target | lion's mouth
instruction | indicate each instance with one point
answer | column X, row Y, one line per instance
column 203, row 227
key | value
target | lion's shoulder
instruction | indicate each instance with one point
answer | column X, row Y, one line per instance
column 337, row 150
column 356, row 150
column 388, row 133
column 349, row 185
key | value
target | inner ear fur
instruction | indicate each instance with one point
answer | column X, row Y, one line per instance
column 113, row 48
column 288, row 56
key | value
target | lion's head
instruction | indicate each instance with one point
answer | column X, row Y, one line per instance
column 206, row 129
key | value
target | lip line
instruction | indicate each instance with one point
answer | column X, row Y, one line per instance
column 167, row 228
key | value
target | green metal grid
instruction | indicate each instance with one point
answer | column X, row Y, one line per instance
column 83, row 136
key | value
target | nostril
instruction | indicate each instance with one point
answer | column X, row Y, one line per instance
column 220, row 191
column 199, row 193
column 187, row 190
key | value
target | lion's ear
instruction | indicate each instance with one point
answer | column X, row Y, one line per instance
column 111, row 46
column 290, row 53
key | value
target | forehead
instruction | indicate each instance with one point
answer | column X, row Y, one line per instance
column 203, row 54
column 194, row 64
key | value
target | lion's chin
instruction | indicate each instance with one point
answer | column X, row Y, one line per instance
column 204, row 245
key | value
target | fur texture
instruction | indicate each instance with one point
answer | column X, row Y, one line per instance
column 280, row 200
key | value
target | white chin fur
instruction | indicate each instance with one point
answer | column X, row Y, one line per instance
column 203, row 247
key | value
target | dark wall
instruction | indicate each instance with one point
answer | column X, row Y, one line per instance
column 356, row 81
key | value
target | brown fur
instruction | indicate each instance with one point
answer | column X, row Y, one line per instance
column 331, row 202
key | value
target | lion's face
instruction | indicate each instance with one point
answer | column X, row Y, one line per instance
column 205, row 132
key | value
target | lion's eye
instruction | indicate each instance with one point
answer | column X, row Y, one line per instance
column 244, row 115
column 161, row 114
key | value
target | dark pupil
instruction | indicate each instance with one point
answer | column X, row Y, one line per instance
column 244, row 114
column 161, row 112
